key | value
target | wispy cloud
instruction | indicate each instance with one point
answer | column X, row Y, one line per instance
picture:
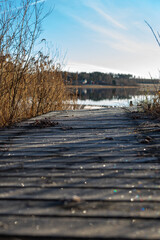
column 116, row 40
column 18, row 8
column 40, row 1
column 103, row 13
column 108, row 17
column 139, row 25
column 99, row 29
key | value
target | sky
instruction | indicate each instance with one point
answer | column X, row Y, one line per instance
column 104, row 35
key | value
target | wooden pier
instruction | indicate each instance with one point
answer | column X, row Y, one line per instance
column 84, row 174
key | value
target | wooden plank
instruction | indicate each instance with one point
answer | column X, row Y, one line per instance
column 85, row 182
column 82, row 159
column 52, row 172
column 100, row 145
column 83, row 228
column 106, row 141
column 94, row 193
column 60, row 208
column 77, row 165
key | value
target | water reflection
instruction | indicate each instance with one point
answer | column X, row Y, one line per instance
column 111, row 93
column 109, row 97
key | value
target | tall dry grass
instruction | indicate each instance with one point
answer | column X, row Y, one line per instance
column 37, row 90
column 152, row 106
column 30, row 84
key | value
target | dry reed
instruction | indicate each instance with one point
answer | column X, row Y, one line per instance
column 151, row 106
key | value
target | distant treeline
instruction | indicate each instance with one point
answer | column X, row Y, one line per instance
column 100, row 78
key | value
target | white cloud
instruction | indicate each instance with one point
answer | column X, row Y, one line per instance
column 108, row 17
column 40, row 1
column 117, row 40
column 100, row 29
column 18, row 8
column 81, row 67
column 140, row 26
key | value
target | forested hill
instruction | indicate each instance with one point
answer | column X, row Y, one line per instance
column 100, row 78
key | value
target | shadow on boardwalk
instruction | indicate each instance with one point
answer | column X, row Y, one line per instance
column 81, row 175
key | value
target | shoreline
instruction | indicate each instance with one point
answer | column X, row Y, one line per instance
column 151, row 87
column 99, row 86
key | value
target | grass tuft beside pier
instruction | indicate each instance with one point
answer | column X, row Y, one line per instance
column 151, row 104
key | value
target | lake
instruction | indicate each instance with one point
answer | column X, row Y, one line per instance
column 115, row 97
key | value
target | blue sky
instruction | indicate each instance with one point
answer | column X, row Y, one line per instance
column 105, row 35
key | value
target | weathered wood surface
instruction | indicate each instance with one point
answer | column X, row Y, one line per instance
column 94, row 175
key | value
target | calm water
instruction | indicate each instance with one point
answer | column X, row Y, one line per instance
column 120, row 97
